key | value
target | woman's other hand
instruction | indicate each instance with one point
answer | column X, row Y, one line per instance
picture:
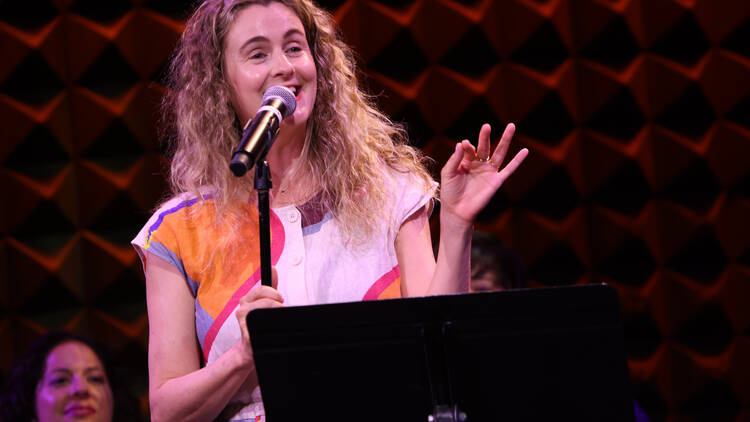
column 258, row 297
column 471, row 176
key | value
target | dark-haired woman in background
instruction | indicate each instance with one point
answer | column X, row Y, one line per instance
column 493, row 266
column 65, row 377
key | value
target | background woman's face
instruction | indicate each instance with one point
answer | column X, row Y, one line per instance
column 267, row 46
column 74, row 386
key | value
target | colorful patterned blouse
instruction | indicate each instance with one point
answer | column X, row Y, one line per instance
column 314, row 264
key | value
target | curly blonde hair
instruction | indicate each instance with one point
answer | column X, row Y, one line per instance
column 348, row 146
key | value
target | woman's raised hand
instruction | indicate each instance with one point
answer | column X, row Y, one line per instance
column 471, row 176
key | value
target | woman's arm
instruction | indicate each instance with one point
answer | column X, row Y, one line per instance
column 469, row 179
column 420, row 274
column 179, row 389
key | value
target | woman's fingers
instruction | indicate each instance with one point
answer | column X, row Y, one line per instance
column 259, row 292
column 462, row 156
column 513, row 164
column 258, row 297
column 470, row 154
column 263, row 303
column 502, row 147
column 245, row 309
column 483, row 143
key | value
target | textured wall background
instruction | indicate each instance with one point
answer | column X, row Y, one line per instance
column 637, row 113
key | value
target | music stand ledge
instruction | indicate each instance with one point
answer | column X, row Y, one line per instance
column 526, row 355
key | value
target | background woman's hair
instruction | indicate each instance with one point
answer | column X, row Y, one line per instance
column 349, row 143
column 490, row 257
column 18, row 397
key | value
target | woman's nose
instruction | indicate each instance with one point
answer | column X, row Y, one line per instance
column 282, row 66
column 79, row 387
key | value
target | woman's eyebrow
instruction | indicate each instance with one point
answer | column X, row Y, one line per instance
column 68, row 371
column 257, row 38
column 263, row 38
column 293, row 31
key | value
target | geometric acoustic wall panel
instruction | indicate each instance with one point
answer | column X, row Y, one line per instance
column 636, row 112
column 80, row 169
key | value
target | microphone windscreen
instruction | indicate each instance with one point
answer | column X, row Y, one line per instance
column 285, row 95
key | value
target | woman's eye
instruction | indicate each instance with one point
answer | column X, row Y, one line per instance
column 97, row 379
column 58, row 381
column 257, row 56
column 294, row 49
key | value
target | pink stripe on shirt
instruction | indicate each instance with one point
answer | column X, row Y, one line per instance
column 383, row 282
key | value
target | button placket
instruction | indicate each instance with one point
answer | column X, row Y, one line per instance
column 293, row 216
column 294, row 255
column 295, row 260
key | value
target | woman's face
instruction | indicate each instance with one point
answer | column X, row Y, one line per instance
column 266, row 46
column 486, row 281
column 74, row 386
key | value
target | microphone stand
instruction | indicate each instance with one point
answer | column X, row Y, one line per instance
column 241, row 163
column 262, row 184
column 277, row 100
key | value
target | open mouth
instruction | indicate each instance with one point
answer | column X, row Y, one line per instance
column 296, row 90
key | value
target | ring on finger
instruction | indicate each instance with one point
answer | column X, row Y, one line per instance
column 482, row 159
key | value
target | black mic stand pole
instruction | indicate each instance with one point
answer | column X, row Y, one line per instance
column 242, row 161
column 263, row 184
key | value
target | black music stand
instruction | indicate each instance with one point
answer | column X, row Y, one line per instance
column 526, row 355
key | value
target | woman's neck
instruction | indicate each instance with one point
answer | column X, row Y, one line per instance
column 282, row 160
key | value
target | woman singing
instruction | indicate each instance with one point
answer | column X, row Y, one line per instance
column 349, row 207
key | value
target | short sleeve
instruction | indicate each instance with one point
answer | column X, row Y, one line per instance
column 159, row 236
column 411, row 194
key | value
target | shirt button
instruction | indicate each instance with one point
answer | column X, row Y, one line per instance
column 293, row 216
column 296, row 259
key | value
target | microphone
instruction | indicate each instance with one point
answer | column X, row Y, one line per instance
column 259, row 133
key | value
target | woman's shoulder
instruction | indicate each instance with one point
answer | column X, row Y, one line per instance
column 177, row 214
column 185, row 200
column 406, row 181
column 408, row 191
